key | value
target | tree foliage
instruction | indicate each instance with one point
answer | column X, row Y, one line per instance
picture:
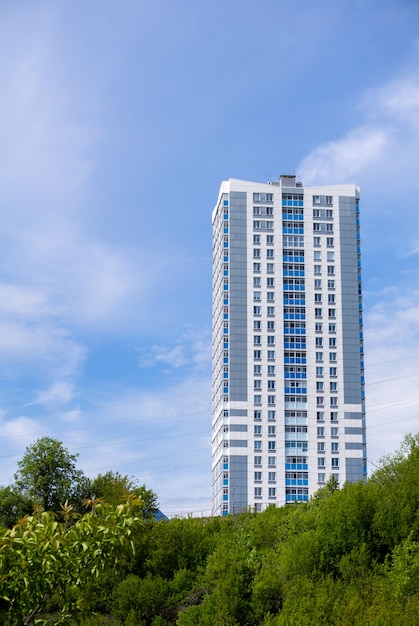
column 47, row 474
column 41, row 558
column 350, row 557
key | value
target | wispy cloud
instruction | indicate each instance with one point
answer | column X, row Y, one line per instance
column 381, row 146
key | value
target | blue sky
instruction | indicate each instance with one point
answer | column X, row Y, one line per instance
column 118, row 121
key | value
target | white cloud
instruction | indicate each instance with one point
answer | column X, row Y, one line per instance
column 392, row 370
column 194, row 349
column 382, row 147
column 61, row 392
column 340, row 160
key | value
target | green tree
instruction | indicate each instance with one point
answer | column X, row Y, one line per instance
column 42, row 558
column 13, row 505
column 47, row 473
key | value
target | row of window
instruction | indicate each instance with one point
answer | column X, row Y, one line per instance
column 270, row 253
column 321, row 432
column 259, row 210
column 333, row 357
column 257, row 477
column 257, row 430
column 271, row 492
column 321, row 446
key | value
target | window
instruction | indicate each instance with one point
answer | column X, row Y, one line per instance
column 316, row 199
column 332, row 328
column 319, row 342
column 257, row 310
column 272, row 477
column 319, row 371
column 256, row 281
column 257, row 369
column 317, row 297
column 333, row 387
column 270, row 268
column 271, row 370
column 330, row 256
column 270, row 281
column 317, row 255
column 271, row 310
column 321, row 462
column 271, row 445
column 258, row 477
column 331, row 270
column 334, row 431
column 335, row 446
column 316, row 241
column 257, row 445
column 270, row 253
column 257, row 431
column 317, row 269
column 257, row 415
column 270, row 296
column 271, row 400
column 271, row 415
column 335, row 461
column 256, row 238
column 271, row 384
column 320, row 431
column 329, row 199
column 256, row 267
column 330, row 284
column 271, row 340
column 258, row 492
column 257, row 399
column 318, row 327
column 321, row 446
column 333, row 357
column 321, row 478
column 257, row 385
column 332, row 342
column 256, row 296
column 319, row 357
column 256, row 210
column 257, row 324
column 317, row 283
column 319, row 385
column 257, row 354
column 331, row 298
column 320, row 416
column 318, row 313
column 332, row 313
column 271, row 492
column 269, row 239
column 269, row 210
column 256, row 253
column 333, row 371
column 333, row 401
column 271, row 325
column 333, row 416
column 257, row 340
column 271, row 461
column 320, row 401
column 271, row 355
column 272, row 431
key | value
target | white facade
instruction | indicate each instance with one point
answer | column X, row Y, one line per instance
column 288, row 364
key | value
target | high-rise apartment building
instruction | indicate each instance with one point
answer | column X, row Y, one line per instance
column 288, row 363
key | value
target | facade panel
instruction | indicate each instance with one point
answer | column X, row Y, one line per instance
column 288, row 364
